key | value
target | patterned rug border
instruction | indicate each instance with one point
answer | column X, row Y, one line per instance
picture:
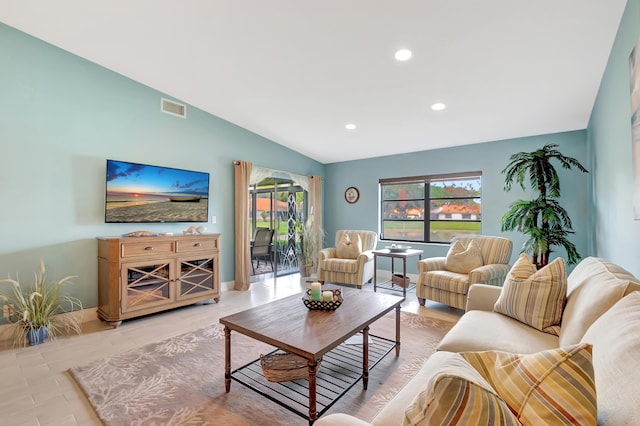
column 166, row 382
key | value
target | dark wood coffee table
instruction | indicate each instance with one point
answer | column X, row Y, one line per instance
column 288, row 325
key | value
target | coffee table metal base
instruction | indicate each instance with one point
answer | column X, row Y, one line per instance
column 340, row 370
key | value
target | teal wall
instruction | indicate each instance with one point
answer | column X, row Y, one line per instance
column 615, row 235
column 490, row 158
column 60, row 118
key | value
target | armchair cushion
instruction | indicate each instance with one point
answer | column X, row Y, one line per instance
column 449, row 281
column 349, row 246
column 535, row 297
column 463, row 259
column 348, row 266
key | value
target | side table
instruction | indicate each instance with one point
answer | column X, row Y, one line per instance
column 394, row 255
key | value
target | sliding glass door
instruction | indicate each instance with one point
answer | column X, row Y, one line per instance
column 281, row 205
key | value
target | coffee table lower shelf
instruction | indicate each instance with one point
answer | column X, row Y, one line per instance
column 340, row 370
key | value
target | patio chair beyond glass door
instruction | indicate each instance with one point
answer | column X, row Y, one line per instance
column 279, row 205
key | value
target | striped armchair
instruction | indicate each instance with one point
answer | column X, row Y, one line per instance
column 437, row 284
column 332, row 268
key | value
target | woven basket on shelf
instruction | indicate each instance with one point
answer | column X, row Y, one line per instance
column 282, row 367
column 398, row 279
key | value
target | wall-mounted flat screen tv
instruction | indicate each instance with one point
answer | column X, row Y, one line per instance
column 141, row 193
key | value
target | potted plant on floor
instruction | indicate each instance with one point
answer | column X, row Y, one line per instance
column 39, row 311
column 542, row 219
column 311, row 237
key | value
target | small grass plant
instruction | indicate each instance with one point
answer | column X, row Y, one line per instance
column 42, row 304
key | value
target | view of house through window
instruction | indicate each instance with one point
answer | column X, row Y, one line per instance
column 430, row 209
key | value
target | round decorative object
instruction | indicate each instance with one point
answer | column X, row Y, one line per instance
column 352, row 194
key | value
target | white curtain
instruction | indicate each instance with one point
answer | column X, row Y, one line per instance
column 315, row 202
column 258, row 174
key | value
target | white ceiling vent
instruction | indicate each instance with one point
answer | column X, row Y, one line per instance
column 173, row 108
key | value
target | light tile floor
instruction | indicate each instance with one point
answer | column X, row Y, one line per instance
column 37, row 389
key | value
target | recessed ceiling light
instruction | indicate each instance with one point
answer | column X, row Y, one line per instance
column 403, row 55
column 350, row 126
column 438, row 106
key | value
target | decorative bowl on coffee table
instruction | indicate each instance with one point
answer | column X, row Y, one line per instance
column 320, row 305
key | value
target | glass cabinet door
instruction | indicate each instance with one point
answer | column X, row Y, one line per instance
column 146, row 284
column 195, row 277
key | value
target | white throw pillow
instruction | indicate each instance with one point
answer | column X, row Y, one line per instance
column 463, row 259
column 349, row 246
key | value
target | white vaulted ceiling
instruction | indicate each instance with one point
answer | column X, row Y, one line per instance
column 297, row 72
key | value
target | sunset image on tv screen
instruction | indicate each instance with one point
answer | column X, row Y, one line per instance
column 144, row 193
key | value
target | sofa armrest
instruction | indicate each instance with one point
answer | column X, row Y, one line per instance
column 327, row 253
column 340, row 419
column 482, row 297
column 431, row 264
column 493, row 274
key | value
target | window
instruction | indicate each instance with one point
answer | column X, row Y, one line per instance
column 453, row 203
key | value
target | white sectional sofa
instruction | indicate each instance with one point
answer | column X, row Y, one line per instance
column 602, row 308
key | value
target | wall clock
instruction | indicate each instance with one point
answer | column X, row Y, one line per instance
column 351, row 194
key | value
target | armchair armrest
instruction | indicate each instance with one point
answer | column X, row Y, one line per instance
column 365, row 256
column 431, row 264
column 493, row 274
column 482, row 297
column 327, row 253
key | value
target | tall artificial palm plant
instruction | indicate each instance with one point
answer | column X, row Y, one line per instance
column 311, row 237
column 542, row 219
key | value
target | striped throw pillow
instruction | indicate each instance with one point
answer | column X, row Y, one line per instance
column 534, row 297
column 554, row 387
column 458, row 394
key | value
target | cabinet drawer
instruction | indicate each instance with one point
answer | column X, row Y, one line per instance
column 194, row 245
column 146, row 248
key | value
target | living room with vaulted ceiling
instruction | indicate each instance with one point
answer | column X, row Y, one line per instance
column 63, row 116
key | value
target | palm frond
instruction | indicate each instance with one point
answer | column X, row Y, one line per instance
column 543, row 220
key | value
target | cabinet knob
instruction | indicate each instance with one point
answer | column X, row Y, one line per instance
column 149, row 248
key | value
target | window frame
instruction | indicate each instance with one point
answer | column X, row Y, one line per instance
column 427, row 180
